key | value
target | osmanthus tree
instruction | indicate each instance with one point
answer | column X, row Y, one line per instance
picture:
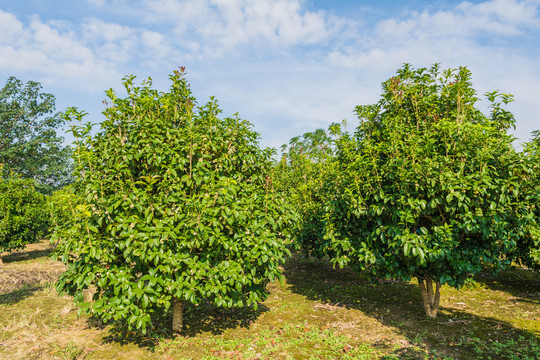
column 23, row 215
column 429, row 187
column 175, row 206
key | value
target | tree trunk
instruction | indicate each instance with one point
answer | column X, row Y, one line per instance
column 1, row 262
column 178, row 320
column 431, row 298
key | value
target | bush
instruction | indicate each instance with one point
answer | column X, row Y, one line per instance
column 23, row 215
column 175, row 205
column 430, row 187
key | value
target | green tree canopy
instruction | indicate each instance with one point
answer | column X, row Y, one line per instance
column 305, row 164
column 429, row 187
column 175, row 206
column 316, row 146
column 23, row 214
column 29, row 144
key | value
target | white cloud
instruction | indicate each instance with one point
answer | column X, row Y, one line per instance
column 467, row 32
column 96, row 2
column 218, row 27
column 121, row 44
column 466, row 21
column 40, row 48
column 96, row 30
column 283, row 64
column 10, row 27
column 504, row 17
column 113, row 42
column 92, row 52
column 56, row 45
column 101, row 3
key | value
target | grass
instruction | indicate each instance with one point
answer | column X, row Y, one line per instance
column 316, row 312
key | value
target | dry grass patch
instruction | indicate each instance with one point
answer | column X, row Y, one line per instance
column 28, row 268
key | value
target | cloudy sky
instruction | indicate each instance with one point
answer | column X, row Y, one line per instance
column 287, row 66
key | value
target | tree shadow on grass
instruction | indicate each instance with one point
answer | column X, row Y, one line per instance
column 204, row 318
column 397, row 305
column 17, row 284
column 25, row 255
column 19, row 294
column 208, row 318
column 520, row 282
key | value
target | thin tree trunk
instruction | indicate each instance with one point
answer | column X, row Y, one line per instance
column 429, row 288
column 425, row 296
column 1, row 262
column 178, row 320
column 430, row 298
column 435, row 306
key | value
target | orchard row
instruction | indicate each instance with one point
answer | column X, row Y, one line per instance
column 170, row 204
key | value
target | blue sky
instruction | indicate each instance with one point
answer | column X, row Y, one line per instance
column 287, row 66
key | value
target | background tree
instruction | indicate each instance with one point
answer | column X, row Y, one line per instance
column 429, row 187
column 306, row 163
column 23, row 215
column 529, row 247
column 175, row 206
column 29, row 144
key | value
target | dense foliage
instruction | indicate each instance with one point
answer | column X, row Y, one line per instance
column 60, row 205
column 29, row 144
column 429, row 187
column 23, row 214
column 175, row 205
column 305, row 166
column 529, row 247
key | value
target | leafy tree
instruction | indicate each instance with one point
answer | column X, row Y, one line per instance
column 29, row 144
column 175, row 206
column 317, row 146
column 23, row 218
column 429, row 187
column 305, row 164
